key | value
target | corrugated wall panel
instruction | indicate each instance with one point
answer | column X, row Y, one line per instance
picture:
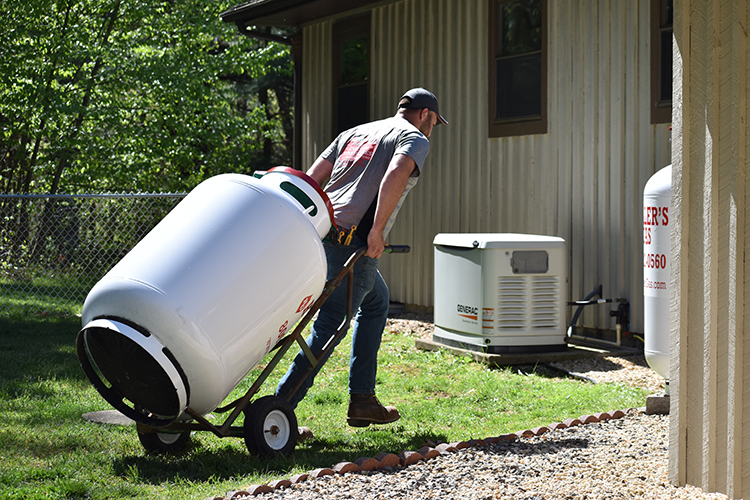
column 317, row 91
column 613, row 36
column 583, row 180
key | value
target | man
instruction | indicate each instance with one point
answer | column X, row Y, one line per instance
column 370, row 169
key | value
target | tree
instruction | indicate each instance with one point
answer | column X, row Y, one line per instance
column 152, row 96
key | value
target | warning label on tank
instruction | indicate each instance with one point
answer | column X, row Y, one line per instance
column 305, row 304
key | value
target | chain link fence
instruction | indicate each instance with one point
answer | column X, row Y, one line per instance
column 54, row 248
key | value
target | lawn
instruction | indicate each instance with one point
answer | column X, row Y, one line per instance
column 47, row 451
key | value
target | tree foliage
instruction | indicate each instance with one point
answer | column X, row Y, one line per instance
column 113, row 95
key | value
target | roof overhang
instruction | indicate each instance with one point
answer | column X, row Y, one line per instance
column 288, row 13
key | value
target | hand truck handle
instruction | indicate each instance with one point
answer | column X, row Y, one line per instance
column 397, row 249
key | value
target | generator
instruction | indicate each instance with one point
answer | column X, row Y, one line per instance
column 500, row 292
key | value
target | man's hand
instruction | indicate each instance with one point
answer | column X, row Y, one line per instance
column 375, row 245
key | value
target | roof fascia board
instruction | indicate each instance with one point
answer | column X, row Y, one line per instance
column 259, row 9
column 354, row 11
column 294, row 13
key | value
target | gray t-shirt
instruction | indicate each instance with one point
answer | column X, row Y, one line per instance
column 360, row 158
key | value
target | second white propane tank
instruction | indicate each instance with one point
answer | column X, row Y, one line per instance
column 189, row 311
column 657, row 196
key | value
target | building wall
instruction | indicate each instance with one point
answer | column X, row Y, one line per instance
column 583, row 180
column 709, row 358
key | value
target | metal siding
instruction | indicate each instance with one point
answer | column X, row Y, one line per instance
column 317, row 91
column 583, row 180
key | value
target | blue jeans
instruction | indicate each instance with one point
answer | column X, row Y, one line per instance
column 369, row 304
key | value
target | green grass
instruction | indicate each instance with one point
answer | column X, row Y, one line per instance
column 56, row 294
column 47, row 451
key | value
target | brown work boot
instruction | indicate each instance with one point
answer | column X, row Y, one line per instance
column 365, row 409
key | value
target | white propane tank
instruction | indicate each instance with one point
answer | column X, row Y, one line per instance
column 657, row 196
column 197, row 303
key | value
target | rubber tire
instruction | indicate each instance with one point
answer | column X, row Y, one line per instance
column 260, row 417
column 164, row 442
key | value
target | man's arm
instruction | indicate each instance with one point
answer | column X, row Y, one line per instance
column 391, row 188
column 321, row 171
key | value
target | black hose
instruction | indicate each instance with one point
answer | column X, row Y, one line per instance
column 570, row 374
column 596, row 291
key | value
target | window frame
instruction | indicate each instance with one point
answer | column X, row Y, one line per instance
column 343, row 30
column 517, row 126
column 661, row 110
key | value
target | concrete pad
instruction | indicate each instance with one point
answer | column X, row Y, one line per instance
column 109, row 417
column 657, row 404
column 572, row 352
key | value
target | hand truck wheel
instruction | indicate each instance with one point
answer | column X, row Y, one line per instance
column 270, row 427
column 164, row 442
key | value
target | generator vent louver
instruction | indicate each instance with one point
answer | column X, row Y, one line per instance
column 545, row 302
column 511, row 304
column 528, row 301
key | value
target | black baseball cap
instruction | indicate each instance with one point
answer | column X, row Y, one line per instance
column 419, row 98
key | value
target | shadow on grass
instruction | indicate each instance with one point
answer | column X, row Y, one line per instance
column 550, row 371
column 194, row 463
column 541, row 370
column 38, row 348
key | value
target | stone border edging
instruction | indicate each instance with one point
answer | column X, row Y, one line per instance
column 406, row 458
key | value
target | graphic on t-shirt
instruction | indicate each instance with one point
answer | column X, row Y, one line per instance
column 357, row 152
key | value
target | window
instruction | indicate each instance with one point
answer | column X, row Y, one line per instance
column 518, row 67
column 662, row 15
column 351, row 60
